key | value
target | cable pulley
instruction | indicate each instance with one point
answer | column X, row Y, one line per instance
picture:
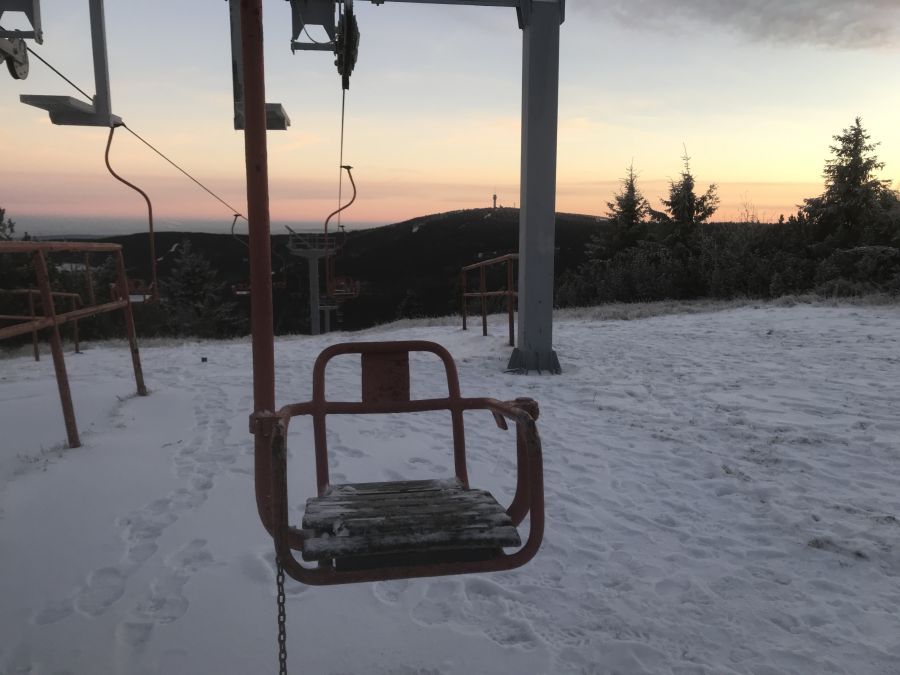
column 15, row 53
column 346, row 46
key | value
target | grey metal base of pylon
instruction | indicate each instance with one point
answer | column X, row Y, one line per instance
column 523, row 361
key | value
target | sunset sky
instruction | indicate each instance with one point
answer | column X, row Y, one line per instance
column 753, row 88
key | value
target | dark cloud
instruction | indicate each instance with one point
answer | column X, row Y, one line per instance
column 846, row 24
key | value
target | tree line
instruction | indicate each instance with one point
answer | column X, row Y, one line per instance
column 842, row 242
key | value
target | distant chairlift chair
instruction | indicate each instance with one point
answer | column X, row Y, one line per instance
column 396, row 530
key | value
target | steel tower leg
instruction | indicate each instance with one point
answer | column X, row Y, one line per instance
column 537, row 216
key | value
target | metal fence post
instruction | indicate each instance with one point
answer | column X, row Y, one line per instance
column 129, row 324
column 74, row 303
column 483, row 303
column 462, row 283
column 59, row 363
column 89, row 279
column 34, row 335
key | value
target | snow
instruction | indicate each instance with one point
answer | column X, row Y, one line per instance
column 722, row 490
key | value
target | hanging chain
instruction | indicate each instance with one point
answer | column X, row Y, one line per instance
column 282, row 632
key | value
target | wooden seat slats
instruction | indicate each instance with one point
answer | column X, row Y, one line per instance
column 405, row 516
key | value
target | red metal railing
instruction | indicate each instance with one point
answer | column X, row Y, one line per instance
column 30, row 293
column 482, row 293
column 53, row 320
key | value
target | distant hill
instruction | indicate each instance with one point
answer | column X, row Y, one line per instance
column 406, row 269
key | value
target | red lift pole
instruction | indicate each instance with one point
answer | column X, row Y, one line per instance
column 260, row 245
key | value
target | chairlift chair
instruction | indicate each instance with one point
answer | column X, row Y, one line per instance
column 400, row 529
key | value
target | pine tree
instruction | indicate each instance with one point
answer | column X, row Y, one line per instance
column 628, row 212
column 684, row 210
column 195, row 297
column 627, row 222
column 15, row 269
column 856, row 206
column 7, row 227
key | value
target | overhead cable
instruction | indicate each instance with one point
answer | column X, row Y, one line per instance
column 139, row 137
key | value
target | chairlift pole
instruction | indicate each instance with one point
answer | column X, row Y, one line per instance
column 537, row 212
column 260, row 247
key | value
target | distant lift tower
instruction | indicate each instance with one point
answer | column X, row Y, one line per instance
column 313, row 246
column 540, row 21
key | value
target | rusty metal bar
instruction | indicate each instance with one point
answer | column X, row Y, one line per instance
column 462, row 283
column 89, row 279
column 55, row 247
column 154, row 286
column 488, row 294
column 257, row 169
column 509, row 292
column 75, row 302
column 36, row 291
column 34, row 335
column 47, row 322
column 129, row 324
column 59, row 363
column 483, row 290
column 492, row 261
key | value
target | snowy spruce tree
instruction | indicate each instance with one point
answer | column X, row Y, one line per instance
column 856, row 206
column 684, row 209
column 627, row 217
column 196, row 298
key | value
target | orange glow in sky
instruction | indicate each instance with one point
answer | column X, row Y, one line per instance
column 433, row 114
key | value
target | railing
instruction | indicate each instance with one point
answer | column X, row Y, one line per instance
column 30, row 293
column 52, row 320
column 482, row 293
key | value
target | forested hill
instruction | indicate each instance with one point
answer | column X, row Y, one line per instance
column 406, row 269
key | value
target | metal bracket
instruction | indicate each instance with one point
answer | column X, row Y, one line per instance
column 32, row 11
column 343, row 36
column 276, row 116
column 263, row 423
column 313, row 13
column 66, row 110
column 524, row 10
column 69, row 111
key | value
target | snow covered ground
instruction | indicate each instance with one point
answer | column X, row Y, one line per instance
column 723, row 495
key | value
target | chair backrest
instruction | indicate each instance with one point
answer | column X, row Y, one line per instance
column 385, row 389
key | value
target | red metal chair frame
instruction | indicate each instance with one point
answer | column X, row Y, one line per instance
column 385, row 389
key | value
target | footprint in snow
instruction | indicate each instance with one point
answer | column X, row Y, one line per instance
column 389, row 592
column 166, row 602
column 104, row 586
column 133, row 634
column 53, row 612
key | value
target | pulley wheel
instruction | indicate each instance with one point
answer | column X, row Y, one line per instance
column 18, row 62
column 347, row 45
